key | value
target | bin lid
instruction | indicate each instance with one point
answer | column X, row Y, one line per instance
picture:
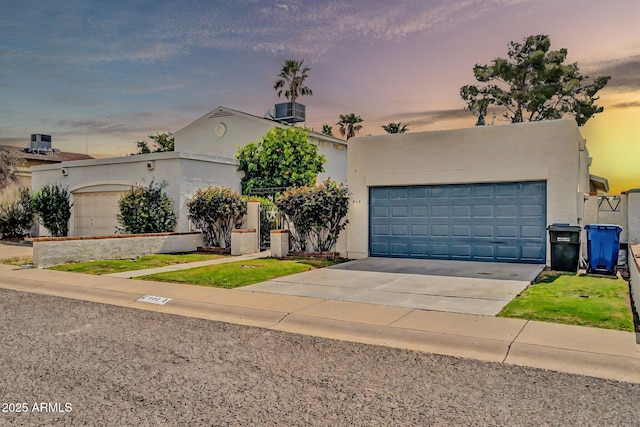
column 602, row 227
column 563, row 227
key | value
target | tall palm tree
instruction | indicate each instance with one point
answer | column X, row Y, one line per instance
column 396, row 127
column 292, row 77
column 349, row 124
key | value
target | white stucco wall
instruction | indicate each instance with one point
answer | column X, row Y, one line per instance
column 184, row 173
column 206, row 135
column 633, row 219
column 551, row 151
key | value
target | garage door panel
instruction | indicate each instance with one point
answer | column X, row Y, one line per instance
column 440, row 211
column 461, row 211
column 380, row 212
column 492, row 222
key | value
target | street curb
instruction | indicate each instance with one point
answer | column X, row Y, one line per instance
column 580, row 357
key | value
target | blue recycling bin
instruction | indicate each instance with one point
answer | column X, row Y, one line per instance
column 603, row 245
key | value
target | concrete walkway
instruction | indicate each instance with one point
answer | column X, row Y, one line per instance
column 188, row 265
column 588, row 351
column 15, row 250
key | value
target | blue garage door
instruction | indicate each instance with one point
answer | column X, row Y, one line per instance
column 503, row 222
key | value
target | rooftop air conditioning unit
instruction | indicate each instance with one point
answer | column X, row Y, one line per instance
column 290, row 112
column 40, row 142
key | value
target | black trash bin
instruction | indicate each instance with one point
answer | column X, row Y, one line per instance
column 565, row 247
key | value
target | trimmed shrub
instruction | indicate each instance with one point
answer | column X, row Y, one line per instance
column 53, row 206
column 16, row 214
column 316, row 214
column 146, row 210
column 216, row 211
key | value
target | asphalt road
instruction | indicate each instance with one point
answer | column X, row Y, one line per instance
column 68, row 362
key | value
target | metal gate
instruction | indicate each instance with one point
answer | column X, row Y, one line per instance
column 270, row 219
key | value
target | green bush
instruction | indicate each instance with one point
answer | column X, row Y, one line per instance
column 53, row 206
column 316, row 213
column 282, row 158
column 16, row 214
column 146, row 210
column 216, row 211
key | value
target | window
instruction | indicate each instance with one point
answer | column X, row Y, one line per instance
column 324, row 144
column 338, row 147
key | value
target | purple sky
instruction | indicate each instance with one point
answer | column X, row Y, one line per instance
column 100, row 75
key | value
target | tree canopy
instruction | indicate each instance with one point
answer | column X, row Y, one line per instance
column 291, row 80
column 533, row 84
column 9, row 161
column 396, row 127
column 327, row 130
column 284, row 157
column 349, row 125
column 162, row 142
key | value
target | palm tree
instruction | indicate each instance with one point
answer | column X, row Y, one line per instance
column 292, row 77
column 349, row 124
column 327, row 130
column 396, row 127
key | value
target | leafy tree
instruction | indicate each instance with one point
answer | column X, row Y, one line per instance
column 349, row 125
column 395, row 128
column 284, row 157
column 16, row 214
column 216, row 211
column 316, row 213
column 162, row 142
column 533, row 84
column 291, row 80
column 327, row 130
column 9, row 161
column 53, row 206
column 146, row 210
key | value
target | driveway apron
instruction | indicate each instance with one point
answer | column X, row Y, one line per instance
column 452, row 286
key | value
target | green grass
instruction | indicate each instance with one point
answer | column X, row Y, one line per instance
column 141, row 263
column 575, row 300
column 17, row 261
column 233, row 274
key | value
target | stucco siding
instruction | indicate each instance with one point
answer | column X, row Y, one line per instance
column 548, row 151
column 201, row 136
column 184, row 173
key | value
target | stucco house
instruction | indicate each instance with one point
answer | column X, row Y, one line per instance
column 204, row 155
column 484, row 193
column 37, row 156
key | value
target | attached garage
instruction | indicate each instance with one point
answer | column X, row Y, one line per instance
column 500, row 222
column 486, row 193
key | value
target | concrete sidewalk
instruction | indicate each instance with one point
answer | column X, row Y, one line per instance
column 573, row 349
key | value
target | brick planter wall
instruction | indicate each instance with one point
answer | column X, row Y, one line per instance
column 50, row 251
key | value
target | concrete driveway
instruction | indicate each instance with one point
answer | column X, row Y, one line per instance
column 452, row 286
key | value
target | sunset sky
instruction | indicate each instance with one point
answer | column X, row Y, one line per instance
column 99, row 75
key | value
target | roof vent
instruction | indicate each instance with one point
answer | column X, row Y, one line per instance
column 290, row 112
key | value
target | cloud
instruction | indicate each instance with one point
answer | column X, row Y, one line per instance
column 634, row 104
column 424, row 118
column 101, row 33
column 625, row 73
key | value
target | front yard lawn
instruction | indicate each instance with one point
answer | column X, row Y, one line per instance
column 575, row 300
column 141, row 263
column 233, row 274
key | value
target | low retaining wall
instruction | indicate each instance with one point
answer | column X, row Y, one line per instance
column 633, row 260
column 50, row 251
